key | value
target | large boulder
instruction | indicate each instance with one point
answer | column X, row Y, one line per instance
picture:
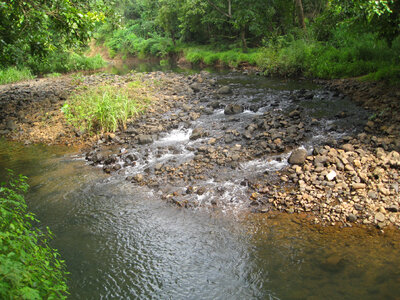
column 298, row 157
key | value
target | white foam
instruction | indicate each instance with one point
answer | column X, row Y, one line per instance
column 176, row 136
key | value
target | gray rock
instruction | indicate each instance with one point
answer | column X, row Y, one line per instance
column 351, row 218
column 196, row 87
column 145, row 139
column 224, row 90
column 197, row 133
column 233, row 109
column 10, row 125
column 298, row 157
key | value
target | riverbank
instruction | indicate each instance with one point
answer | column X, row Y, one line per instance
column 222, row 148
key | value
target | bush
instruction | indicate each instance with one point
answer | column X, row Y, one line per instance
column 13, row 74
column 104, row 108
column 29, row 267
column 62, row 62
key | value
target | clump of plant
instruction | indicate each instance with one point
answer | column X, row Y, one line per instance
column 29, row 267
column 104, row 108
column 13, row 74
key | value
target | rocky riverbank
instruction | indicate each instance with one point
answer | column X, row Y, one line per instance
column 215, row 142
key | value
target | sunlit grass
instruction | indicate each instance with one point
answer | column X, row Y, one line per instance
column 13, row 74
column 104, row 108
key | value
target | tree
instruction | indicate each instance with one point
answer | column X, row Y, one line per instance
column 35, row 28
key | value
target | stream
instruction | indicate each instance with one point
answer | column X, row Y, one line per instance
column 122, row 241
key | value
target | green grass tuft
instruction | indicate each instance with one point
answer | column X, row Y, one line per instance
column 104, row 108
column 13, row 74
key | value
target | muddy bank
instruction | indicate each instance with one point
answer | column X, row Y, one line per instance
column 234, row 142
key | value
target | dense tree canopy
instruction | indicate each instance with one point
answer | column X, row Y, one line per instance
column 35, row 28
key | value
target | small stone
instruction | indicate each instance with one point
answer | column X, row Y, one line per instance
column 348, row 147
column 138, row 178
column 145, row 139
column 352, row 218
column 331, row 175
column 380, row 217
column 233, row 109
column 224, row 90
column 358, row 186
column 298, row 157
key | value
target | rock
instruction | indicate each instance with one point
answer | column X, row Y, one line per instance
column 197, row 133
column 298, row 157
column 351, row 218
column 347, row 147
column 380, row 217
column 224, row 90
column 233, row 109
column 201, row 191
column 138, row 178
column 393, row 208
column 10, row 125
column 145, row 139
column 358, row 186
column 196, row 87
column 331, row 175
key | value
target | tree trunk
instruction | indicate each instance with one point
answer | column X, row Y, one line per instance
column 300, row 13
column 243, row 37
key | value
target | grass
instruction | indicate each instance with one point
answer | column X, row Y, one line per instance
column 13, row 74
column 230, row 58
column 105, row 108
column 66, row 62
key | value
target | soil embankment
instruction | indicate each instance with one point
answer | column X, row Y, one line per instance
column 204, row 143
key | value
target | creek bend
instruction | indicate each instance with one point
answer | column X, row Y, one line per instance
column 120, row 240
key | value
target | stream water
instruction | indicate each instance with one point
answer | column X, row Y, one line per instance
column 121, row 241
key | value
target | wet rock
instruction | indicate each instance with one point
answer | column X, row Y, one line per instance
column 224, row 90
column 197, row 133
column 298, row 157
column 233, row 109
column 138, row 178
column 145, row 139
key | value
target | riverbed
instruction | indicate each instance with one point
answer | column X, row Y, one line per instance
column 122, row 241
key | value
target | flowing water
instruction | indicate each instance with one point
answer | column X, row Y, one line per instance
column 121, row 241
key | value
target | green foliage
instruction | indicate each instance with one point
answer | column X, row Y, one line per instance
column 104, row 108
column 231, row 58
column 13, row 74
column 29, row 267
column 38, row 28
column 346, row 54
column 62, row 62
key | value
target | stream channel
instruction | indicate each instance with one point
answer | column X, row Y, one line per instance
column 121, row 241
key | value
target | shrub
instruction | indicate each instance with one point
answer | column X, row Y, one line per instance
column 29, row 267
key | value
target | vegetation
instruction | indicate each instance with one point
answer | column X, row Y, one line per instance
column 29, row 267
column 105, row 108
column 37, row 36
column 13, row 74
column 319, row 38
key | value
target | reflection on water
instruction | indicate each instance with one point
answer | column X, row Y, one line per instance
column 120, row 241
